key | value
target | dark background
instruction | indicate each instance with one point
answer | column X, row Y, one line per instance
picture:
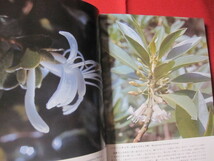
column 82, row 127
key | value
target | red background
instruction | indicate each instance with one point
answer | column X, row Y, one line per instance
column 182, row 8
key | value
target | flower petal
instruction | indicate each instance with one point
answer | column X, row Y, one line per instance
column 72, row 43
column 138, row 115
column 159, row 114
column 81, row 83
column 71, row 108
column 56, row 69
column 59, row 93
column 81, row 92
column 71, row 87
column 31, row 111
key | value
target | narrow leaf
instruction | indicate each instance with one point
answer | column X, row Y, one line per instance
column 140, row 51
column 191, row 93
column 116, row 108
column 187, row 60
column 135, row 41
column 122, row 56
column 124, row 71
column 163, row 69
column 168, row 41
column 176, row 25
column 139, row 29
column 159, row 36
column 152, row 46
column 128, row 31
column 192, row 78
column 183, row 47
column 203, row 113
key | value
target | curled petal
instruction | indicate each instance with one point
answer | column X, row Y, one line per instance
column 70, row 87
column 81, row 92
column 33, row 116
column 72, row 43
column 71, row 108
column 60, row 94
column 81, row 83
column 72, row 72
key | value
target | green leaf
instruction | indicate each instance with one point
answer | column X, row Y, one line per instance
column 122, row 125
column 116, row 108
column 192, row 78
column 203, row 113
column 46, row 56
column 176, row 25
column 210, row 126
column 183, row 101
column 191, row 93
column 10, row 81
column 124, row 72
column 129, row 32
column 159, row 36
column 152, row 46
column 183, row 47
column 6, row 79
column 140, row 51
column 186, row 126
column 163, row 69
column 121, row 117
column 187, row 60
column 122, row 56
column 31, row 59
column 17, row 56
column 145, row 19
column 139, row 29
column 135, row 42
column 168, row 41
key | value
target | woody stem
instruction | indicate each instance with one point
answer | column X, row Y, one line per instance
column 149, row 111
column 144, row 128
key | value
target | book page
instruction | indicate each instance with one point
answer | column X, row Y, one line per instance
column 50, row 83
column 157, row 87
column 197, row 149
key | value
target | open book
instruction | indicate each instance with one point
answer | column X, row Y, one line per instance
column 76, row 85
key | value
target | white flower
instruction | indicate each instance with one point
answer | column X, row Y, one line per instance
column 158, row 115
column 74, row 72
column 139, row 114
column 30, row 107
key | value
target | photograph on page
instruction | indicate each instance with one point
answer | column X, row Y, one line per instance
column 157, row 82
column 50, row 84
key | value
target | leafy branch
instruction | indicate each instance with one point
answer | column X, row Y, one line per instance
column 157, row 65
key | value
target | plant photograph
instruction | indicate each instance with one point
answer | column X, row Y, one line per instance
column 160, row 83
column 50, row 83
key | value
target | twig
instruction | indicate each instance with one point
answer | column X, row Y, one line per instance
column 144, row 128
